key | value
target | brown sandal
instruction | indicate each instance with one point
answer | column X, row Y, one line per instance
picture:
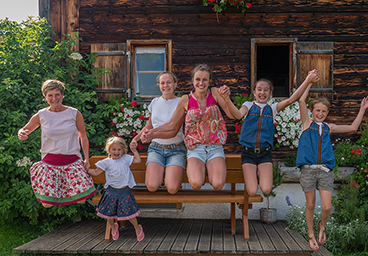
column 322, row 228
column 314, row 246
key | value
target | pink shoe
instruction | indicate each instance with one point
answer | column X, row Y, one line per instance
column 116, row 235
column 140, row 236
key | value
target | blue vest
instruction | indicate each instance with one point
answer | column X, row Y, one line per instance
column 314, row 148
column 257, row 129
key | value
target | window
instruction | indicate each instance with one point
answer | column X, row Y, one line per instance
column 286, row 63
column 148, row 58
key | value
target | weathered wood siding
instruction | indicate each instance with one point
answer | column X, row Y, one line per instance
column 197, row 37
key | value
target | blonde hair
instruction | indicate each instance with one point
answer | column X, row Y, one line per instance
column 202, row 67
column 263, row 80
column 118, row 141
column 164, row 73
column 322, row 100
column 52, row 84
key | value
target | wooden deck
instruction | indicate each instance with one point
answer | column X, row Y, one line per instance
column 172, row 236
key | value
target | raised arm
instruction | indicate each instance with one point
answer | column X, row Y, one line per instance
column 84, row 139
column 137, row 157
column 235, row 112
column 312, row 77
column 225, row 92
column 303, row 109
column 355, row 125
column 32, row 125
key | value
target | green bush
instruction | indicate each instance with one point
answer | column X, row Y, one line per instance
column 28, row 56
column 349, row 154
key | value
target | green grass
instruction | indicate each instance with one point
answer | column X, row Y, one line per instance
column 17, row 233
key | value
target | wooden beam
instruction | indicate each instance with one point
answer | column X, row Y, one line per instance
column 44, row 9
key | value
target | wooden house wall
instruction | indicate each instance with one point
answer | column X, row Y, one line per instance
column 197, row 37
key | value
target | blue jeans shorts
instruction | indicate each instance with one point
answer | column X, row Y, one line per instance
column 206, row 152
column 167, row 154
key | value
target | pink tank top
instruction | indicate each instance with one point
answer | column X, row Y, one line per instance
column 206, row 127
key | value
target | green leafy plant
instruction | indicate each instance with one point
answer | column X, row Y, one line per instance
column 29, row 56
column 349, row 154
column 221, row 5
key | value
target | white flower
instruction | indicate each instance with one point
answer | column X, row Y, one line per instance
column 120, row 114
column 76, row 56
column 115, row 120
column 24, row 162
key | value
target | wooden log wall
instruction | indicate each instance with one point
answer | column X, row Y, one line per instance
column 197, row 37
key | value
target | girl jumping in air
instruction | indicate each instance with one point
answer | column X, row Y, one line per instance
column 117, row 202
column 257, row 131
column 316, row 159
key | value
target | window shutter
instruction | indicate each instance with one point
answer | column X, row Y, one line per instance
column 112, row 57
column 316, row 55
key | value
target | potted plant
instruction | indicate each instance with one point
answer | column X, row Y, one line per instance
column 268, row 215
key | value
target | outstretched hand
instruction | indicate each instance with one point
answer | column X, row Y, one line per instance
column 23, row 134
column 224, row 92
column 147, row 136
column 133, row 145
column 364, row 104
column 313, row 76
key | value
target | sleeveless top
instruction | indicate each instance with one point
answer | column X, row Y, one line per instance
column 206, row 127
column 59, row 133
column 258, row 128
column 315, row 148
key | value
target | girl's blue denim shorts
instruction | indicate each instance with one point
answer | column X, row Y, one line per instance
column 206, row 152
column 167, row 154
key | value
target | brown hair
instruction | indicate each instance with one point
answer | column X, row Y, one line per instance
column 202, row 67
column 164, row 73
column 263, row 80
column 52, row 84
column 322, row 100
column 116, row 140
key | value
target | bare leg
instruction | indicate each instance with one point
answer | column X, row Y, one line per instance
column 81, row 201
column 250, row 178
column 216, row 169
column 265, row 174
column 154, row 176
column 47, row 205
column 196, row 172
column 326, row 211
column 134, row 222
column 310, row 198
column 173, row 178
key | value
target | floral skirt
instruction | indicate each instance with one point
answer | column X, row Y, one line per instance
column 117, row 204
column 61, row 184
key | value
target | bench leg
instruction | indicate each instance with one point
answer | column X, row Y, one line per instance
column 245, row 225
column 233, row 220
column 108, row 232
column 122, row 223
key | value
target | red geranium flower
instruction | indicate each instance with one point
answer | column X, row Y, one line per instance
column 356, row 184
column 356, row 151
column 140, row 146
column 243, row 94
column 366, row 170
column 141, row 117
column 134, row 104
column 133, row 134
column 249, row 5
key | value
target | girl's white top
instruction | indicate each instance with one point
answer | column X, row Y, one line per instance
column 249, row 104
column 161, row 112
column 117, row 172
column 59, row 133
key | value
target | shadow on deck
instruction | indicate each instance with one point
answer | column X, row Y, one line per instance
column 172, row 236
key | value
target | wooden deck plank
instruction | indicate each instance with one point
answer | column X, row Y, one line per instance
column 298, row 238
column 194, row 237
column 217, row 242
column 242, row 246
column 60, row 237
column 229, row 239
column 157, row 240
column 172, row 236
column 204, row 245
column 276, row 240
column 84, row 230
column 170, row 240
column 85, row 236
column 149, row 235
column 264, row 240
column 285, row 236
column 254, row 244
column 34, row 244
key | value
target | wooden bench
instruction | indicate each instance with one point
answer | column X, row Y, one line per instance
column 232, row 196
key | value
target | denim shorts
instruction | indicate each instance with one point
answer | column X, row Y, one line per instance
column 167, row 154
column 315, row 178
column 206, row 152
column 248, row 157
